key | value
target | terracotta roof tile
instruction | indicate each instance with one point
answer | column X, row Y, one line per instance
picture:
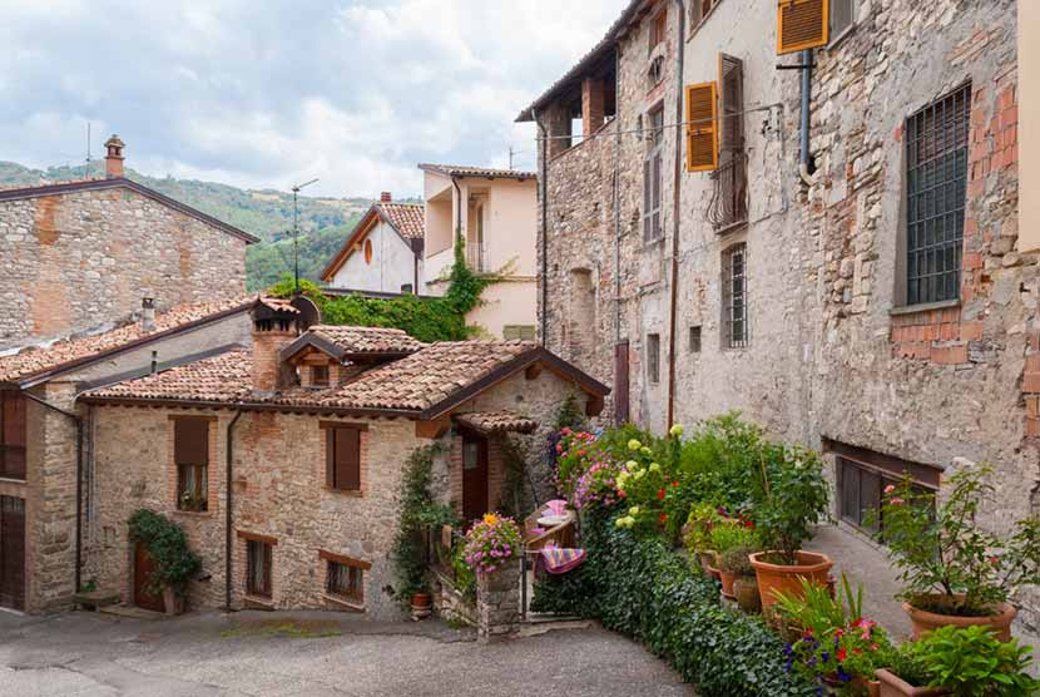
column 497, row 422
column 360, row 340
column 467, row 171
column 223, row 378
column 20, row 363
column 408, row 218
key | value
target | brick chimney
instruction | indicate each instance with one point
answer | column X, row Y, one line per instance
column 148, row 315
column 114, row 157
column 274, row 328
column 386, row 197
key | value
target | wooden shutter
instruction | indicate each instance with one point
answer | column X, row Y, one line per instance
column 621, row 387
column 802, row 24
column 702, row 142
column 731, row 104
column 343, row 459
column 191, row 441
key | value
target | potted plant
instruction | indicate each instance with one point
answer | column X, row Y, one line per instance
column 954, row 572
column 795, row 499
column 492, row 543
column 960, row 661
column 737, row 563
column 725, row 538
column 175, row 563
column 697, row 536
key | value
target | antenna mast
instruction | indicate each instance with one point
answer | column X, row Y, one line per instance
column 296, row 234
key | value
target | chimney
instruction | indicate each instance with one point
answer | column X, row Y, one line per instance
column 114, row 157
column 274, row 328
column 148, row 315
column 386, row 197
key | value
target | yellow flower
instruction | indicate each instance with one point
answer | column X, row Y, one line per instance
column 631, row 465
column 490, row 518
column 646, row 451
column 634, row 510
column 654, row 467
column 634, row 444
column 676, row 431
column 619, row 523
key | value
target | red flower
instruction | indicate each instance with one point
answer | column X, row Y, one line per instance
column 749, row 524
column 675, row 483
column 994, row 560
column 663, row 517
column 622, row 494
column 842, row 653
column 660, row 493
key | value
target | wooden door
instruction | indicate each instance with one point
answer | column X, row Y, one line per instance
column 474, row 476
column 12, row 552
column 144, row 567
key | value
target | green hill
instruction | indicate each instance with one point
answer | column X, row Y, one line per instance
column 268, row 214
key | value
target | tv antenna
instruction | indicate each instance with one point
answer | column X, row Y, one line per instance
column 296, row 233
column 87, row 174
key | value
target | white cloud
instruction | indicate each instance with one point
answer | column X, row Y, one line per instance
column 267, row 94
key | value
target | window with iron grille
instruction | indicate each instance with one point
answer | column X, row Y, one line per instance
column 937, row 180
column 258, row 568
column 861, row 488
column 653, row 358
column 345, row 581
column 653, row 228
column 734, row 296
column 12, row 434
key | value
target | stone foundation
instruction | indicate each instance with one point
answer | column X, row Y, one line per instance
column 498, row 602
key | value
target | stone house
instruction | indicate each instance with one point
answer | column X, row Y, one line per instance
column 383, row 253
column 81, row 254
column 864, row 285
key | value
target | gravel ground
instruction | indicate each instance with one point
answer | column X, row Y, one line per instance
column 296, row 654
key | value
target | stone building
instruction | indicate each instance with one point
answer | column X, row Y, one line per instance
column 866, row 289
column 305, row 437
column 78, row 255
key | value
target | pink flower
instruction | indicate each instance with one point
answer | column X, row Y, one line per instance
column 890, row 488
column 896, row 501
column 994, row 560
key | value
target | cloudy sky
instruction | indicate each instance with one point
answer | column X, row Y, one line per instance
column 265, row 94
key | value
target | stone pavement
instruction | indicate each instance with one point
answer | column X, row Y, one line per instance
column 311, row 653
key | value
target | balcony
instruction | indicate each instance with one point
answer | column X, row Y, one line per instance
column 477, row 257
column 728, row 207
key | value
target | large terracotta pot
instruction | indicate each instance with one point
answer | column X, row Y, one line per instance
column 707, row 560
column 746, row 590
column 727, row 580
column 894, row 686
column 787, row 578
column 873, row 686
column 925, row 621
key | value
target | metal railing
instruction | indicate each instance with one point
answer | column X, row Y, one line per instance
column 477, row 257
column 728, row 206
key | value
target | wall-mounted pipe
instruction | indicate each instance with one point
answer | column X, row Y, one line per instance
column 543, row 271
column 676, row 208
column 229, row 533
column 804, row 155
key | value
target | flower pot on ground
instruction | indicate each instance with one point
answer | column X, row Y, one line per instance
column 734, row 541
column 707, row 559
column 175, row 564
column 891, row 685
column 172, row 601
column 745, row 588
column 775, row 576
column 421, row 605
column 953, row 571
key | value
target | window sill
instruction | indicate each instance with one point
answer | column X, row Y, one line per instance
column 652, row 245
column 352, row 493
column 924, row 307
column 352, row 605
column 700, row 23
column 257, row 602
column 840, row 38
column 194, row 514
column 12, row 480
column 731, row 227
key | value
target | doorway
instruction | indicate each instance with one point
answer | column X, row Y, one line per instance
column 144, row 567
column 474, row 476
column 12, row 552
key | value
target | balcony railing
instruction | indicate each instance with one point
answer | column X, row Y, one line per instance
column 477, row 257
column 728, row 205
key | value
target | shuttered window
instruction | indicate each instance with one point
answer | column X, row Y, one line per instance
column 659, row 29
column 653, row 226
column 802, row 24
column 343, row 458
column 699, row 9
column 519, row 332
column 702, row 144
column 259, row 560
column 12, row 434
column 191, row 456
column 729, row 204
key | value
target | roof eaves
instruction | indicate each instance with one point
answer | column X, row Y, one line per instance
column 248, row 406
column 344, row 252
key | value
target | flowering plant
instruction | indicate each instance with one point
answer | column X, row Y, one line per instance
column 575, row 455
column 596, row 485
column 491, row 541
column 940, row 550
column 646, row 484
column 837, row 658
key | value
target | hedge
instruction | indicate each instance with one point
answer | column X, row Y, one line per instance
column 642, row 588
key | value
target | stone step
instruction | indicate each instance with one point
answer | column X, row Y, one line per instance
column 96, row 600
column 131, row 612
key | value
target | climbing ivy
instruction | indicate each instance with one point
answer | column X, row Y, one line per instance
column 427, row 319
column 166, row 542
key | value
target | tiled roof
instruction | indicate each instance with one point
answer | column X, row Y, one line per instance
column 486, row 172
column 224, row 378
column 360, row 340
column 25, row 362
column 123, row 183
column 408, row 218
column 278, row 304
column 497, row 422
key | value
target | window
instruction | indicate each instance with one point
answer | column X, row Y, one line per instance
column 345, row 581
column 656, row 72
column 695, row 339
column 653, row 227
column 407, row 288
column 842, row 17
column 343, row 457
column 728, row 205
column 12, row 434
column 699, row 9
column 368, row 252
column 191, row 455
column 258, row 568
column 734, row 296
column 659, row 29
column 518, row 332
column 860, row 487
column 653, row 357
column 937, row 176
column 320, row 375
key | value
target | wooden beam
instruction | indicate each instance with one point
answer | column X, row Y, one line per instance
column 433, row 429
column 533, row 371
column 594, row 406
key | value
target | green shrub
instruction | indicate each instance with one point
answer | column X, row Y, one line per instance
column 641, row 588
column 175, row 563
column 971, row 662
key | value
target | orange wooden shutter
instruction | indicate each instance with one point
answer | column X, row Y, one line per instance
column 801, row 24
column 702, row 136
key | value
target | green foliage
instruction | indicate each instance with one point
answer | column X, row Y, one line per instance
column 269, row 261
column 491, row 541
column 796, row 497
column 721, row 463
column 939, row 548
column 464, row 286
column 419, row 512
column 640, row 587
column 816, row 612
column 569, row 415
column 465, row 576
column 971, row 662
column 699, row 524
column 736, row 561
column 175, row 563
column 733, row 534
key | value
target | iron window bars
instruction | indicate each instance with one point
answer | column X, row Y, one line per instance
column 937, row 173
column 734, row 296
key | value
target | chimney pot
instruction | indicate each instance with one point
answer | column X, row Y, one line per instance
column 114, row 157
column 386, row 197
column 272, row 331
column 148, row 314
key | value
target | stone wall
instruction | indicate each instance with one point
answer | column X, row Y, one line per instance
column 78, row 260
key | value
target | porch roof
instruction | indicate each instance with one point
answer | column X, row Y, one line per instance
column 503, row 421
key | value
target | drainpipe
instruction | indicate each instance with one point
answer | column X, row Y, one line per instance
column 458, row 209
column 544, row 271
column 79, row 481
column 228, row 533
column 673, row 319
column 803, row 158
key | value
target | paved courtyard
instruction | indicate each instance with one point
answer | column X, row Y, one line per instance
column 297, row 654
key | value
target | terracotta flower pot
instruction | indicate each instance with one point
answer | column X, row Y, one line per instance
column 745, row 588
column 173, row 603
column 421, row 605
column 873, row 687
column 707, row 560
column 787, row 578
column 727, row 580
column 893, row 686
column 925, row 621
